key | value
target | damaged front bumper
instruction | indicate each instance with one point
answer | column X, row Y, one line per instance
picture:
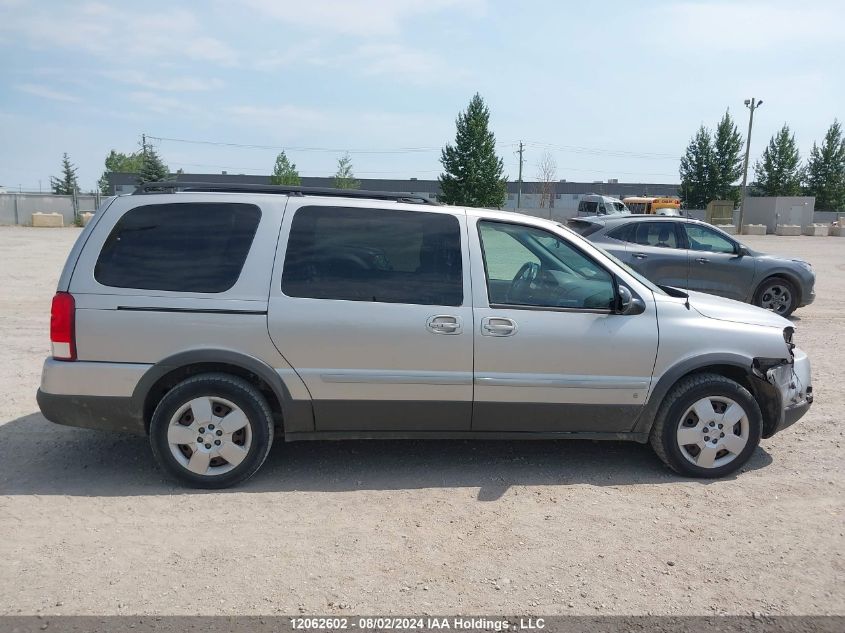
column 793, row 382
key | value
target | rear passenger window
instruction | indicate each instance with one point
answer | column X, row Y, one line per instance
column 660, row 234
column 379, row 255
column 183, row 247
column 622, row 233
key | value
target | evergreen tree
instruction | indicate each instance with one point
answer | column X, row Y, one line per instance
column 284, row 172
column 118, row 162
column 779, row 170
column 697, row 164
column 727, row 160
column 826, row 171
column 153, row 168
column 66, row 184
column 472, row 171
column 344, row 178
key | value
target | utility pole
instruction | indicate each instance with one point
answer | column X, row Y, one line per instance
column 751, row 104
column 144, row 144
column 519, row 182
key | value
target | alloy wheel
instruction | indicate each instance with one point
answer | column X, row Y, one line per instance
column 776, row 298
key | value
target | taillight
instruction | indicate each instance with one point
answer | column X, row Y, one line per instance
column 62, row 326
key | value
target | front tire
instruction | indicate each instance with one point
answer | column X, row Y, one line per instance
column 778, row 295
column 708, row 426
column 212, row 431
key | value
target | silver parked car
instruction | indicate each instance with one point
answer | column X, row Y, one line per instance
column 215, row 318
column 694, row 255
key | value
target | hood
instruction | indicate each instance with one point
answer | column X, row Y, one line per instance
column 735, row 311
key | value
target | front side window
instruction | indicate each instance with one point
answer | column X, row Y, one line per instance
column 658, row 234
column 527, row 266
column 701, row 238
column 380, row 255
column 182, row 247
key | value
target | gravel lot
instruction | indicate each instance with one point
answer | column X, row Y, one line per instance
column 89, row 526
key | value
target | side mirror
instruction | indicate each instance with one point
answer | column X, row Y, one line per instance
column 741, row 250
column 627, row 303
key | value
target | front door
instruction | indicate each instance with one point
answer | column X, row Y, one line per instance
column 372, row 309
column 550, row 354
column 715, row 264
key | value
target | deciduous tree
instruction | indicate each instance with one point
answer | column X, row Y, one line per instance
column 118, row 162
column 284, row 172
column 344, row 178
column 546, row 176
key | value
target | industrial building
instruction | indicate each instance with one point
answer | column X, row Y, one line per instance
column 563, row 201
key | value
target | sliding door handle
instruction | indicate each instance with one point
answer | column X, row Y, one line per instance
column 498, row 326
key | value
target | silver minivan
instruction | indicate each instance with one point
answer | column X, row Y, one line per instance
column 215, row 318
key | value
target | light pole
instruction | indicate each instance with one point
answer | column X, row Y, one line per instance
column 751, row 104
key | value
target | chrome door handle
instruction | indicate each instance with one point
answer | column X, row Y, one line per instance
column 498, row 326
column 640, row 256
column 702, row 260
column 444, row 324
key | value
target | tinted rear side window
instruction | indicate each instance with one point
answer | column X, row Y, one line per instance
column 622, row 233
column 184, row 247
column 379, row 255
column 654, row 234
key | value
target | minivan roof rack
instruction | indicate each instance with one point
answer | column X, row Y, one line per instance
column 290, row 190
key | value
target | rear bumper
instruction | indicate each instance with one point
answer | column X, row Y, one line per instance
column 92, row 395
column 106, row 413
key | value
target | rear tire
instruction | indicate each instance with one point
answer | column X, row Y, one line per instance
column 212, row 431
column 708, row 426
column 778, row 295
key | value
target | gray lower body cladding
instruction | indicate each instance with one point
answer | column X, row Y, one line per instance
column 107, row 413
column 388, row 418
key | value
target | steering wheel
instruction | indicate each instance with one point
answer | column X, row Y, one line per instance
column 527, row 274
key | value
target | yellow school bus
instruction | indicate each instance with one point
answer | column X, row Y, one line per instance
column 653, row 205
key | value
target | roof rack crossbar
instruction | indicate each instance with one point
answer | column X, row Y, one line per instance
column 290, row 190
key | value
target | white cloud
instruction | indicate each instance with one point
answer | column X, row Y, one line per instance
column 361, row 17
column 164, row 104
column 172, row 84
column 105, row 30
column 752, row 26
column 282, row 117
column 40, row 90
column 412, row 65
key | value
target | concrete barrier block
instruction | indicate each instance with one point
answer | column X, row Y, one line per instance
column 816, row 229
column 730, row 229
column 754, row 229
column 52, row 220
column 86, row 217
column 837, row 231
column 788, row 229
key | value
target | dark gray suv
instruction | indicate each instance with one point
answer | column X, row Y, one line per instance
column 694, row 255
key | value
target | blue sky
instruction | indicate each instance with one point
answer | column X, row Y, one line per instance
column 612, row 89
